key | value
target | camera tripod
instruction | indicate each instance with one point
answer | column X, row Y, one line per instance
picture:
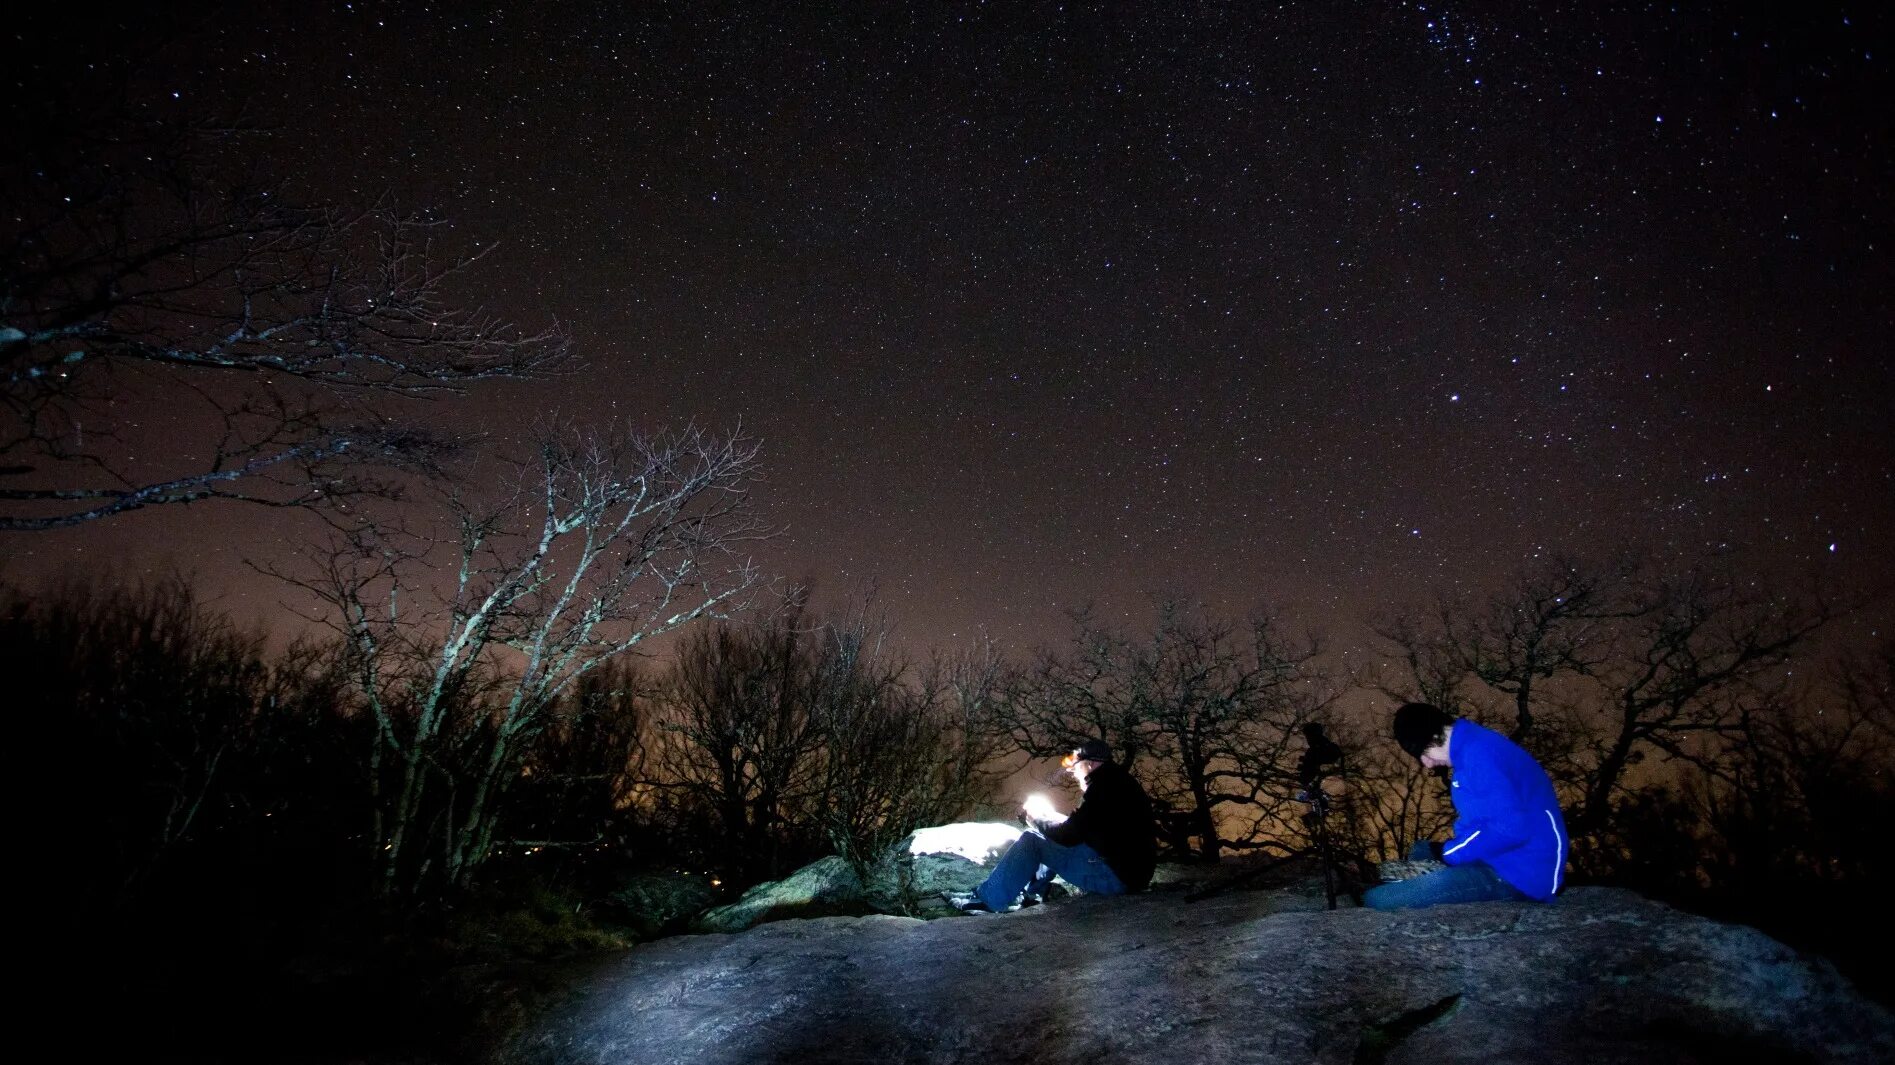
column 1318, row 818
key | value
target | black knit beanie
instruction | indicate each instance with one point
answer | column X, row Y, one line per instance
column 1418, row 726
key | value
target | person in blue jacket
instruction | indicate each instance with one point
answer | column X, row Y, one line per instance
column 1509, row 839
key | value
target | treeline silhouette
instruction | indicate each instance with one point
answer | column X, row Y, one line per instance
column 219, row 808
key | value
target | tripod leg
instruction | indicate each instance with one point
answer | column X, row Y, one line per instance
column 1323, row 854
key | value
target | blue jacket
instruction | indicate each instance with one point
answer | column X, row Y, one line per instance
column 1505, row 812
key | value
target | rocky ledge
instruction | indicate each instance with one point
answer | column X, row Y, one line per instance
column 1601, row 977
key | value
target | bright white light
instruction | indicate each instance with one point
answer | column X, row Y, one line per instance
column 977, row 841
column 1041, row 808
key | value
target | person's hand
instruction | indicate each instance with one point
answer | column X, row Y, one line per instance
column 1437, row 849
column 1039, row 810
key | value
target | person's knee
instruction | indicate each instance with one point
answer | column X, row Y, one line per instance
column 1381, row 898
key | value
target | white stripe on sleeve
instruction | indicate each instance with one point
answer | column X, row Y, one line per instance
column 1559, row 849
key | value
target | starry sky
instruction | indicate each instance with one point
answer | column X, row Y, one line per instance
column 1316, row 305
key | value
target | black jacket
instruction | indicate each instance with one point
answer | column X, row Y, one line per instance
column 1115, row 820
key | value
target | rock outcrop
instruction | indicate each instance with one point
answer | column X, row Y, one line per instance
column 659, row 904
column 1601, row 977
column 907, row 880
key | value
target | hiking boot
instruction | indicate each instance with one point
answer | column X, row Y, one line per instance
column 965, row 901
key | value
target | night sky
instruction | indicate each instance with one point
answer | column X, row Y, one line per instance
column 1316, row 305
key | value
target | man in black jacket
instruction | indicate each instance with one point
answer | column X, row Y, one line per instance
column 1105, row 848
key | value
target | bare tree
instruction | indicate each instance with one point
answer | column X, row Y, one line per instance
column 1694, row 650
column 736, row 739
column 174, row 328
column 574, row 796
column 1788, row 817
column 163, row 716
column 798, row 732
column 1085, row 691
column 603, row 543
column 1431, row 670
column 1554, row 622
column 898, row 751
column 972, row 684
column 1390, row 801
column 1599, row 666
column 149, row 692
column 1805, row 792
column 1202, row 711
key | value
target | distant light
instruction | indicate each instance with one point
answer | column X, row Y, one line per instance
column 1832, row 549
column 1454, row 398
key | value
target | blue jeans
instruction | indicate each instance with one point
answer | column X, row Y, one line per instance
column 1473, row 882
column 1034, row 860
